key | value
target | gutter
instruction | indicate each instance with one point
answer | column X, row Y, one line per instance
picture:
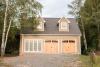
column 51, row 34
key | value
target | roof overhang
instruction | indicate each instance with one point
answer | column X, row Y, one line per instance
column 51, row 34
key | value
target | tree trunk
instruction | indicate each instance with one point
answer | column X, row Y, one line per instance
column 98, row 46
column 84, row 37
column 7, row 34
column 4, row 30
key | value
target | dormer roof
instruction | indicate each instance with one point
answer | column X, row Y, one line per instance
column 63, row 19
column 41, row 19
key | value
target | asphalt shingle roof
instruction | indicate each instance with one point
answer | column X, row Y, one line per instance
column 52, row 28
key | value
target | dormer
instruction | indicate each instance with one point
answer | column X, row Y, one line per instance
column 64, row 24
column 40, row 27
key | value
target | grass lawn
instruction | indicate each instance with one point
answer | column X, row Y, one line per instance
column 87, row 63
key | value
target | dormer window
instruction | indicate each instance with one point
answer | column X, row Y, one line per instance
column 40, row 27
column 63, row 24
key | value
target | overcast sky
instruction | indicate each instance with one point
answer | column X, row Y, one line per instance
column 55, row 8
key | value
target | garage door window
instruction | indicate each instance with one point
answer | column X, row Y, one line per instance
column 47, row 40
column 65, row 41
column 54, row 41
column 71, row 41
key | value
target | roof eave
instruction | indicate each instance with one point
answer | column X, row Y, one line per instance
column 53, row 34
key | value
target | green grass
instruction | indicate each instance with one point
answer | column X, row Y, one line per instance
column 87, row 63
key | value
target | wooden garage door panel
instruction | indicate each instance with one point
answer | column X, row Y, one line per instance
column 68, row 47
column 72, row 47
column 54, row 48
column 65, row 48
column 47, row 48
column 51, row 47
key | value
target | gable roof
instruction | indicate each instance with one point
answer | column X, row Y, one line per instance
column 51, row 28
column 41, row 19
column 63, row 19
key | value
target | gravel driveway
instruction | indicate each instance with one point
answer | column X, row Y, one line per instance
column 43, row 60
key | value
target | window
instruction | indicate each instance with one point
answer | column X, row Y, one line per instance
column 71, row 41
column 35, row 45
column 65, row 41
column 54, row 41
column 47, row 40
column 68, row 41
column 26, row 45
column 32, row 45
column 40, row 26
column 64, row 25
column 39, row 45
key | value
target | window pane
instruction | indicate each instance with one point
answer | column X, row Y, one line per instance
column 39, row 26
column 26, row 45
column 47, row 40
column 65, row 41
column 55, row 41
column 35, row 45
column 39, row 45
column 31, row 45
column 71, row 41
column 63, row 25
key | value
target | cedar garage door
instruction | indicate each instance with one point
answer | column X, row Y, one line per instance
column 68, row 46
column 51, row 46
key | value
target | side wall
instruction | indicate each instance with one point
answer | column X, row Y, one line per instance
column 45, row 37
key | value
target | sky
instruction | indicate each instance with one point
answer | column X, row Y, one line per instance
column 55, row 8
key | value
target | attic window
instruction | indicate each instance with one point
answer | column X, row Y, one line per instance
column 64, row 25
column 40, row 26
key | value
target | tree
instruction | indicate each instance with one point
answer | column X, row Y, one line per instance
column 13, row 10
column 75, row 11
column 90, row 13
column 75, row 7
